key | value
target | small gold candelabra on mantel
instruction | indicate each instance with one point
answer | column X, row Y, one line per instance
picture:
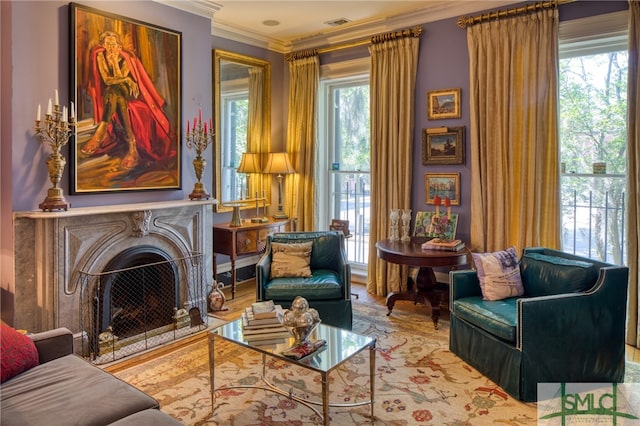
column 56, row 129
column 199, row 138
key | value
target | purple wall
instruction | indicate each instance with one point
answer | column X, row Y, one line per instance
column 40, row 55
column 443, row 64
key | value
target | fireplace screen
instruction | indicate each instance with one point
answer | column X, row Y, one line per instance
column 142, row 299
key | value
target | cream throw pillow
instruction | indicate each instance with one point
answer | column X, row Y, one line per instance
column 291, row 260
column 499, row 274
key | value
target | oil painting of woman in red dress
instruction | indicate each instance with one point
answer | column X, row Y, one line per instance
column 128, row 105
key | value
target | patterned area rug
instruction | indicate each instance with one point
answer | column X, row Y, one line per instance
column 418, row 381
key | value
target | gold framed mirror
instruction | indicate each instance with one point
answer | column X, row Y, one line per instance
column 242, row 108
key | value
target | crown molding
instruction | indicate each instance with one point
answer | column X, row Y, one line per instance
column 427, row 12
column 223, row 30
column 204, row 8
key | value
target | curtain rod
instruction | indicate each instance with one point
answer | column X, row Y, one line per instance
column 414, row 32
column 464, row 21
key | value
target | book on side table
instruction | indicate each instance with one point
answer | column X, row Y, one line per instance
column 447, row 245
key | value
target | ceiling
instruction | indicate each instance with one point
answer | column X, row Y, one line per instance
column 303, row 24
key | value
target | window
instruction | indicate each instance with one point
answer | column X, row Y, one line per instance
column 344, row 157
column 234, row 112
column 593, row 136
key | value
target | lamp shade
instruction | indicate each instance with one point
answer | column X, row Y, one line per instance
column 249, row 163
column 278, row 163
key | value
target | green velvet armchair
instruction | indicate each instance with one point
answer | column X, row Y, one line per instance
column 328, row 289
column 568, row 327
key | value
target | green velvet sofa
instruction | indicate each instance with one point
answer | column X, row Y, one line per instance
column 328, row 290
column 569, row 326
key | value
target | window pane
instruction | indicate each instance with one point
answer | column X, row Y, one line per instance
column 593, row 110
column 351, row 116
column 348, row 153
column 234, row 113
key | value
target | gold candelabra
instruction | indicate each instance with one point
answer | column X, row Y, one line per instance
column 199, row 139
column 55, row 129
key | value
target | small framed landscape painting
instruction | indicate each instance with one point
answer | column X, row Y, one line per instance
column 443, row 185
column 444, row 146
column 443, row 104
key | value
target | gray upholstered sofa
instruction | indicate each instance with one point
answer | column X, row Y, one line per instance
column 64, row 389
column 568, row 327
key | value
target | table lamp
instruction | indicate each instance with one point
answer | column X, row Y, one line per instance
column 249, row 163
column 278, row 163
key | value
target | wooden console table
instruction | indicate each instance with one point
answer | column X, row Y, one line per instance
column 247, row 239
column 412, row 254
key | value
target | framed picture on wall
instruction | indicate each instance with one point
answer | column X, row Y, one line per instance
column 126, row 84
column 442, row 185
column 443, row 145
column 443, row 104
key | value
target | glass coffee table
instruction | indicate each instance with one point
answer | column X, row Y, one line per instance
column 341, row 346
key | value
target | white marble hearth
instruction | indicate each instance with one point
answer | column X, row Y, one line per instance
column 53, row 248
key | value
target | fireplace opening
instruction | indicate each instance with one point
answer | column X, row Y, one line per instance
column 142, row 298
column 139, row 293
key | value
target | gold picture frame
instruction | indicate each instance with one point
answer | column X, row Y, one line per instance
column 442, row 185
column 443, row 104
column 128, row 136
column 443, row 145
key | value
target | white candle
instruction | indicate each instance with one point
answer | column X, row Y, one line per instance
column 39, row 113
column 73, row 111
column 49, row 107
column 57, row 101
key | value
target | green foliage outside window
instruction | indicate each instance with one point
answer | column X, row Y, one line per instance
column 593, row 113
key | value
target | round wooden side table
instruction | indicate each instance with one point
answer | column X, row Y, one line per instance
column 411, row 253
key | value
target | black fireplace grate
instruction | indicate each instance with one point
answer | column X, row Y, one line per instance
column 128, row 310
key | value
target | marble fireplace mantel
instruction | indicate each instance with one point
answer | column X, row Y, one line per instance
column 52, row 248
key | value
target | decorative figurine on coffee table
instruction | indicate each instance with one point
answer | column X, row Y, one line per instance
column 301, row 320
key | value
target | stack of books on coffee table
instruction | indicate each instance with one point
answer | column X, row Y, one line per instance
column 440, row 244
column 262, row 324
